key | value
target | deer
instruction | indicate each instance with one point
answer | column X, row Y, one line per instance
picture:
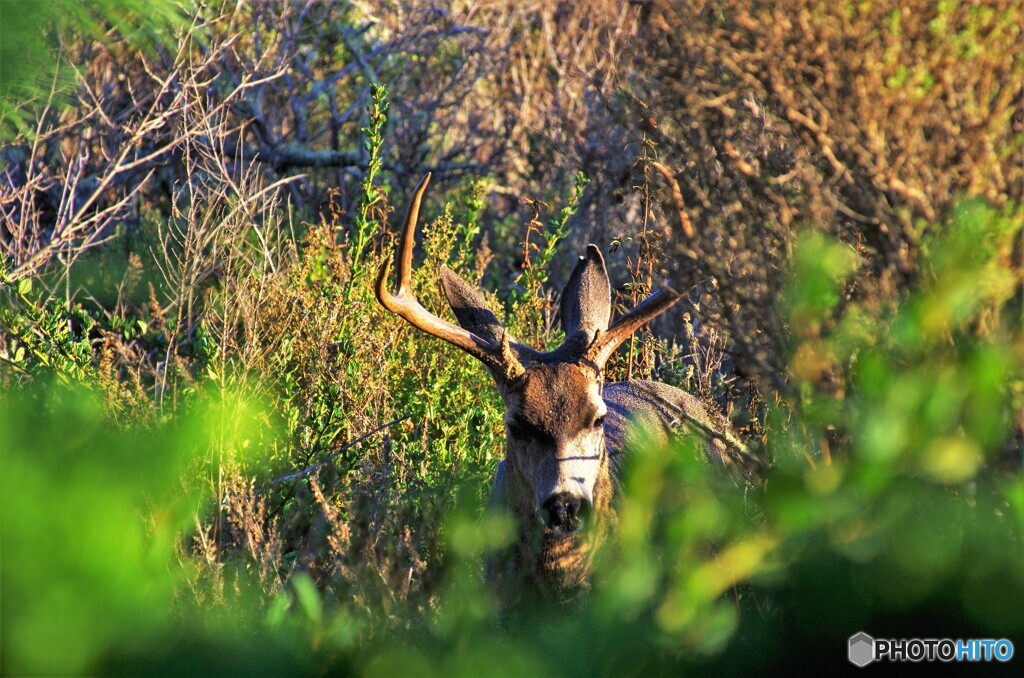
column 567, row 430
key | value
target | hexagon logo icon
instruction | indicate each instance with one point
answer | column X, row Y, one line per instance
column 861, row 649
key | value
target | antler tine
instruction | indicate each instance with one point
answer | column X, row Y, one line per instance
column 405, row 305
column 408, row 236
column 606, row 342
column 404, row 256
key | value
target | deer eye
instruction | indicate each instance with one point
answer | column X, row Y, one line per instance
column 523, row 430
column 599, row 422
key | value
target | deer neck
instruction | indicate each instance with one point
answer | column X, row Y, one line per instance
column 556, row 569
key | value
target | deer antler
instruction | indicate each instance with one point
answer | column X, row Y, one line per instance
column 497, row 357
column 606, row 342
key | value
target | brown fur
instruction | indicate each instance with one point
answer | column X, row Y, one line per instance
column 553, row 403
column 554, row 399
column 541, row 569
column 558, row 472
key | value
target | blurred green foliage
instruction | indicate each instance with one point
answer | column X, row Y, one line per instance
column 913, row 529
column 92, row 515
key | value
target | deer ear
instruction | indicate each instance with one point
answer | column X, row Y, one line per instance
column 587, row 297
column 470, row 308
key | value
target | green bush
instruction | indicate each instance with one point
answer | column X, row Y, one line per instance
column 913, row 529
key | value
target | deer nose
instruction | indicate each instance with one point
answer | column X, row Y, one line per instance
column 565, row 513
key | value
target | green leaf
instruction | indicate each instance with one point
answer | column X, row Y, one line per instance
column 308, row 598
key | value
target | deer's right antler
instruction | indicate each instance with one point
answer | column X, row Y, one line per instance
column 498, row 357
column 606, row 342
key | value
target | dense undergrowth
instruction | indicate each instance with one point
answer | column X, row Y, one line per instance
column 222, row 456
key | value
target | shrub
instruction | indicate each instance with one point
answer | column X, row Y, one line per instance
column 217, row 445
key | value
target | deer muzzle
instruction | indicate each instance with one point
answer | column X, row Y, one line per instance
column 565, row 513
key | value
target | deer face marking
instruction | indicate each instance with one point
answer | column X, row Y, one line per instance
column 555, row 444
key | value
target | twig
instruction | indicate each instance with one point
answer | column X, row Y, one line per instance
column 723, row 436
column 332, row 455
column 729, row 441
column 677, row 198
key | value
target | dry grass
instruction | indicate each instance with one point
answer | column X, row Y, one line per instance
column 868, row 122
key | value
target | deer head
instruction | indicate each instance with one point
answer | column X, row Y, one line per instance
column 556, row 462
